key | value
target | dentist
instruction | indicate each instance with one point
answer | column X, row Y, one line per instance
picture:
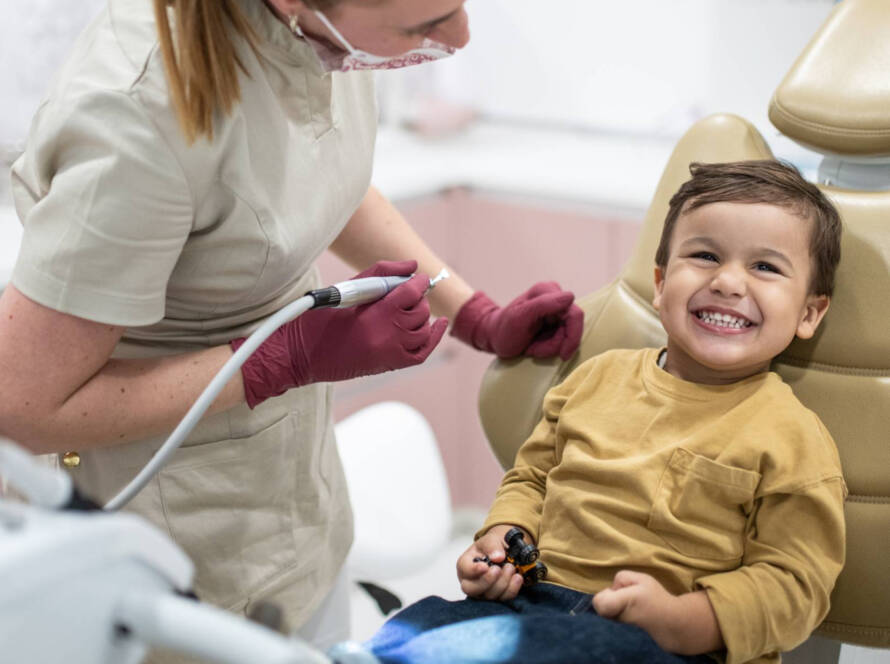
column 191, row 161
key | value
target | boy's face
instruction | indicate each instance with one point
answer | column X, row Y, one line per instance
column 735, row 290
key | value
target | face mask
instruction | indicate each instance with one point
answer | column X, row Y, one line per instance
column 355, row 59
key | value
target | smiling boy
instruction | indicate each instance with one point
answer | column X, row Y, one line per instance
column 687, row 505
column 745, row 276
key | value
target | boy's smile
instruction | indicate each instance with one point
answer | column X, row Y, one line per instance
column 736, row 290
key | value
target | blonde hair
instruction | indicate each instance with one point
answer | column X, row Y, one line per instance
column 202, row 62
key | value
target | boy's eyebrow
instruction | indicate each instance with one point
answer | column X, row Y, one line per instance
column 701, row 239
column 429, row 25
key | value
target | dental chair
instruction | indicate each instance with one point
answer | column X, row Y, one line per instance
column 400, row 502
column 835, row 100
column 398, row 490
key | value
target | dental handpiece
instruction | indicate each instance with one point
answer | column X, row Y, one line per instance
column 343, row 294
column 361, row 291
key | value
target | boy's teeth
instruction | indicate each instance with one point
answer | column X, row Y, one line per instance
column 723, row 320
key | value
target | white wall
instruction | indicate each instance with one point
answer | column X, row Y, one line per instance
column 34, row 37
column 636, row 66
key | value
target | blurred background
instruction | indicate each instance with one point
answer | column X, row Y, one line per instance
column 530, row 155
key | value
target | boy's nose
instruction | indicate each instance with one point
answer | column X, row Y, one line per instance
column 730, row 281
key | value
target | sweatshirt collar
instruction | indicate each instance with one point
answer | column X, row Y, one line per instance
column 658, row 379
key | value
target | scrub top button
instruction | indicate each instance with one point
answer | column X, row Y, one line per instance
column 71, row 459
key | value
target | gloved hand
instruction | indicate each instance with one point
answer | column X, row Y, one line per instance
column 541, row 322
column 338, row 344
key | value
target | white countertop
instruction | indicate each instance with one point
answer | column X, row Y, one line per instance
column 601, row 170
column 583, row 168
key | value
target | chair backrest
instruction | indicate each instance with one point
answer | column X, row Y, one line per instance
column 402, row 517
column 843, row 373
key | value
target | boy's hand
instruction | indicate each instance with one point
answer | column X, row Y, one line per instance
column 684, row 624
column 478, row 579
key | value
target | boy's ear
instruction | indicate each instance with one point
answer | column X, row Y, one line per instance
column 659, row 287
column 814, row 311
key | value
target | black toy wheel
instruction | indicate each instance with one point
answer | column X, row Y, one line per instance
column 534, row 574
column 511, row 535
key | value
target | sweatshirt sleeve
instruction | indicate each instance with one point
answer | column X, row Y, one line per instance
column 793, row 555
column 520, row 497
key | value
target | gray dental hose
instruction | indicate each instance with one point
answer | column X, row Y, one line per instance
column 341, row 295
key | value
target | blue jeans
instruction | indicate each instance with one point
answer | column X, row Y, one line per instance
column 545, row 624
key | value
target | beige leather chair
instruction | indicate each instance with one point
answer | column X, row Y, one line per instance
column 836, row 100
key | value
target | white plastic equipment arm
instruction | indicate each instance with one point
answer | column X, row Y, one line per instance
column 207, row 633
column 43, row 486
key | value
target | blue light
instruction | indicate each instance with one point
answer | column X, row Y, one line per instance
column 487, row 640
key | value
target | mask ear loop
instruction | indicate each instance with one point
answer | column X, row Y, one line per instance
column 294, row 22
column 330, row 26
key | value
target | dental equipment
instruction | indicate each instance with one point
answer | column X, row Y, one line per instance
column 340, row 295
column 109, row 586
column 92, row 587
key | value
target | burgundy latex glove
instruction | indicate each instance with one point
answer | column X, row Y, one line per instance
column 542, row 322
column 338, row 344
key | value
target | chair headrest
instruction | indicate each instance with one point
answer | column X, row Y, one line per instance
column 836, row 98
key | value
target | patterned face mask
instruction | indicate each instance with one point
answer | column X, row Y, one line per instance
column 355, row 59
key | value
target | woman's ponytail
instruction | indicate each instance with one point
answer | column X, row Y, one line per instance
column 200, row 59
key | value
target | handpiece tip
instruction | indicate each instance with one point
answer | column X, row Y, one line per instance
column 443, row 274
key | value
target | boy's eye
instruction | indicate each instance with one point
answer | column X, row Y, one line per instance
column 766, row 267
column 705, row 255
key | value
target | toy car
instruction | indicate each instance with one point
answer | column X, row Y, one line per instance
column 523, row 556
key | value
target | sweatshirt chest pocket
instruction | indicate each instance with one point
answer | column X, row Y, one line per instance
column 701, row 507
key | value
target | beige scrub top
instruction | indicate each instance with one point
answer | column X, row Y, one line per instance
column 189, row 247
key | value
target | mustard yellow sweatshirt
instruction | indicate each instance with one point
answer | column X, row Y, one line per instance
column 735, row 489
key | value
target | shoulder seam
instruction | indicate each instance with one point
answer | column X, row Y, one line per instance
column 139, row 67
column 129, row 94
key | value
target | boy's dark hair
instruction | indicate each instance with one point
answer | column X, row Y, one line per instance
column 762, row 181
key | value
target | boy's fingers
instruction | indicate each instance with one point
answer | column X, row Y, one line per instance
column 471, row 571
column 482, row 586
column 627, row 577
column 476, row 586
column 496, row 555
column 471, row 587
column 492, row 546
column 610, row 603
column 466, row 565
column 500, row 580
column 513, row 588
column 494, row 552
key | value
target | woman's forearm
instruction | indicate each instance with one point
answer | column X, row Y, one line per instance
column 378, row 231
column 125, row 400
column 60, row 389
